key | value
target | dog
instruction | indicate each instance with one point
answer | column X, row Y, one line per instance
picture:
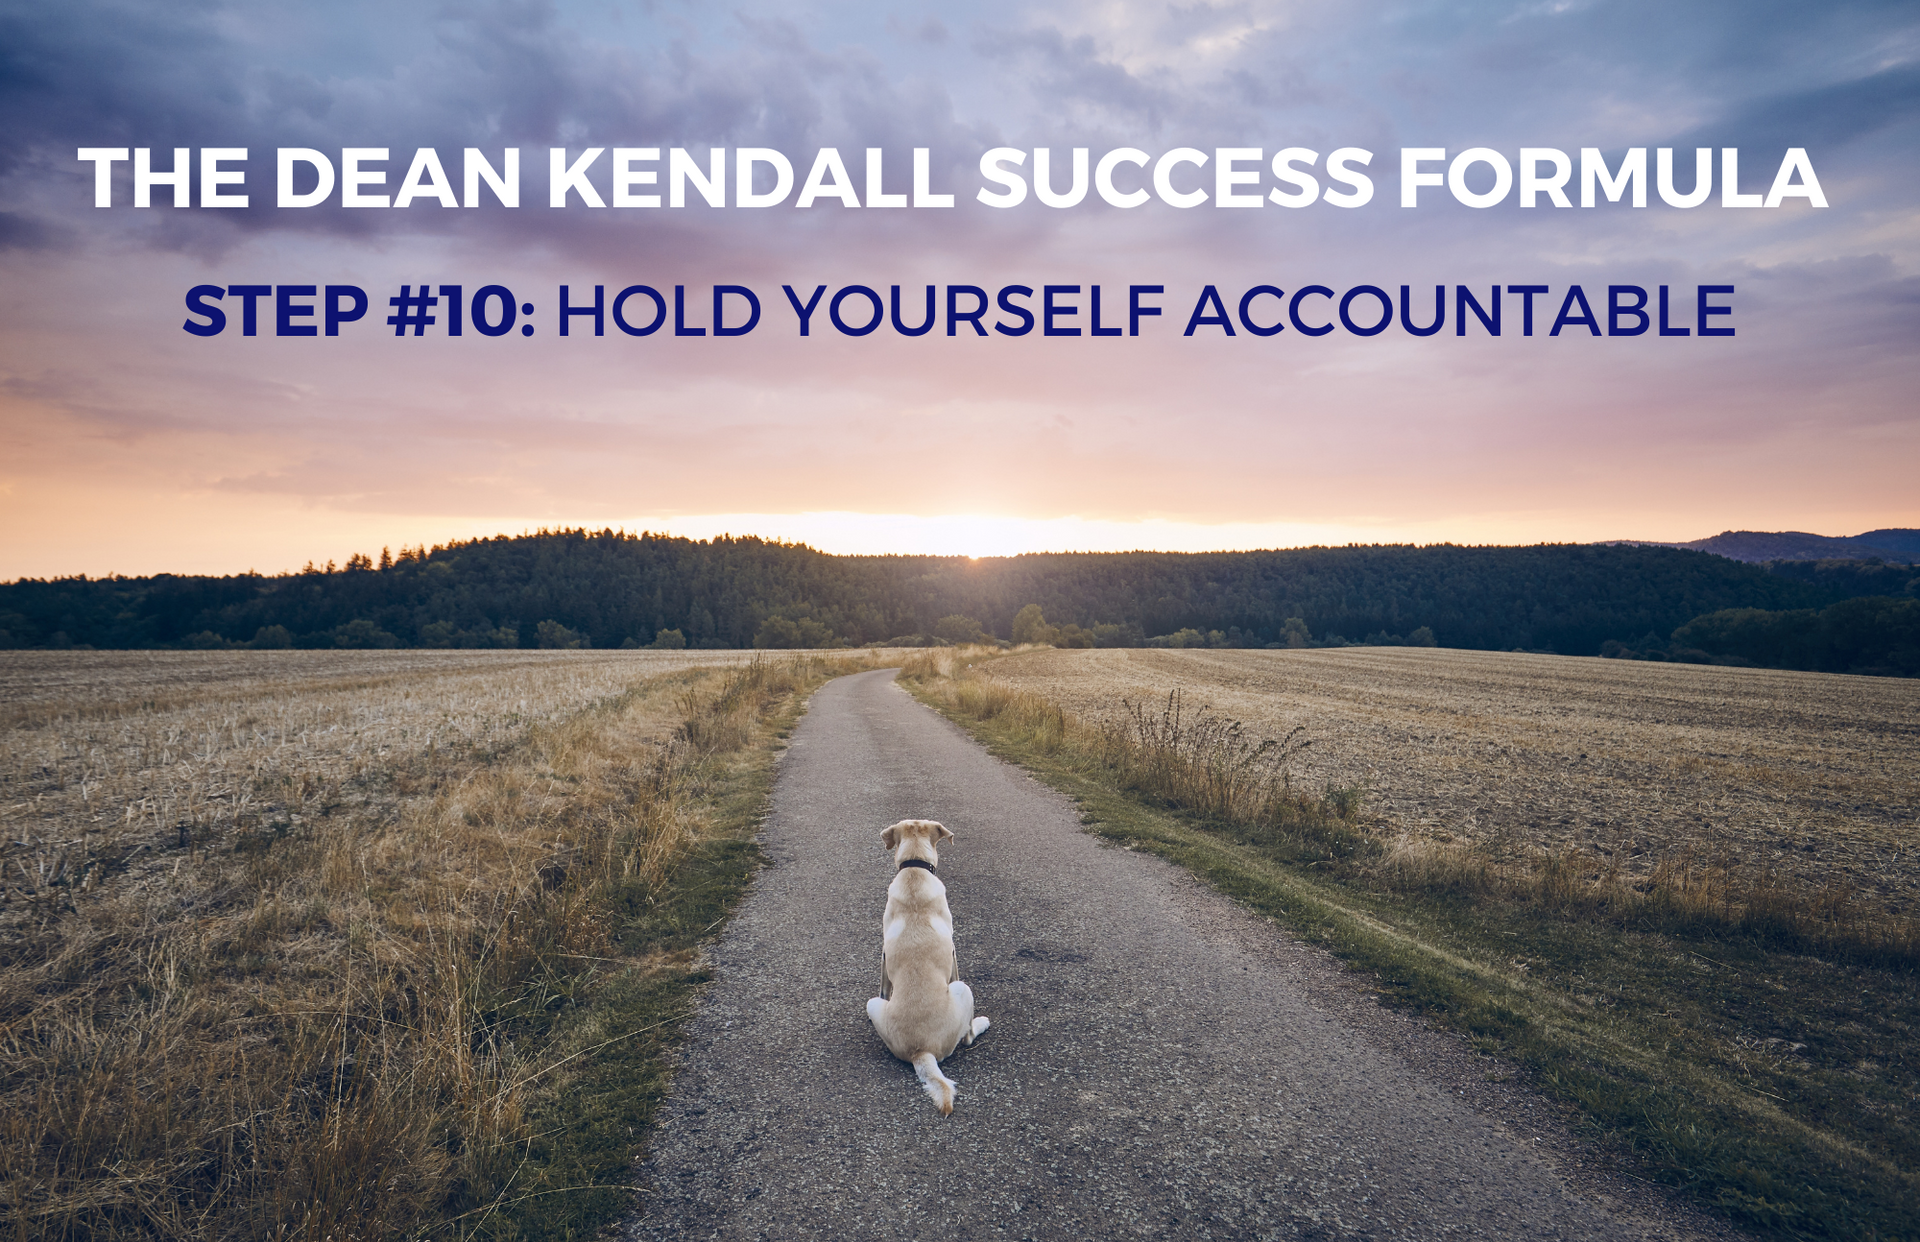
column 923, row 1011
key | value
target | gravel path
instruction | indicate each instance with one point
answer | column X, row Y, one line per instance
column 1162, row 1062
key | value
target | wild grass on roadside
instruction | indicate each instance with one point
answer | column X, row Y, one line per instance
column 1194, row 762
column 1744, row 1040
column 340, row 1004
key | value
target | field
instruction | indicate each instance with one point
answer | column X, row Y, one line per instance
column 1678, row 900
column 108, row 757
column 1813, row 777
column 304, row 944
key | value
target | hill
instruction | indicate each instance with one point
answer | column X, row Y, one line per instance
column 1896, row 544
column 610, row 588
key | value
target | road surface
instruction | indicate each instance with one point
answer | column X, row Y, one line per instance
column 1162, row 1062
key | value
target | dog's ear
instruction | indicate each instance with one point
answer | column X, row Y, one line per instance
column 890, row 836
column 943, row 834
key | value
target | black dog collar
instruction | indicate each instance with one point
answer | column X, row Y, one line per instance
column 921, row 863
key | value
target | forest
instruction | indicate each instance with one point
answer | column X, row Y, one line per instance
column 1872, row 634
column 611, row 588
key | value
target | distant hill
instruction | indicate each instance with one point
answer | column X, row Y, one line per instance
column 611, row 589
column 1897, row 544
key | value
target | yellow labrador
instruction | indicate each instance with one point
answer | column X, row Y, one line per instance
column 923, row 1009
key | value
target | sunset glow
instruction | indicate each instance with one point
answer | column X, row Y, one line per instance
column 134, row 444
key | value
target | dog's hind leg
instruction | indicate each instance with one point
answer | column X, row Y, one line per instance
column 970, row 1026
column 937, row 1085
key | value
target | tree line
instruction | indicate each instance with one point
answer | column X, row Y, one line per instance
column 611, row 589
column 1874, row 634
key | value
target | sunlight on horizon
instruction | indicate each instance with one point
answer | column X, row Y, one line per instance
column 147, row 534
column 984, row 535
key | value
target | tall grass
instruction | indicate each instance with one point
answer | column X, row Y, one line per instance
column 1207, row 764
column 1195, row 761
column 334, row 1024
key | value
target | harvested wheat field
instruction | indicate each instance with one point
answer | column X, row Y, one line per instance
column 286, row 937
column 108, row 756
column 1813, row 776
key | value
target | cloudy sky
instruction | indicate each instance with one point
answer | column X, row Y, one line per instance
column 128, row 444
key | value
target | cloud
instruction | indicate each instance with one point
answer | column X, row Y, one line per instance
column 1823, row 117
column 97, row 378
column 534, row 75
column 1078, row 85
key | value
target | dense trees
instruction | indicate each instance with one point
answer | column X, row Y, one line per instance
column 612, row 589
column 1873, row 634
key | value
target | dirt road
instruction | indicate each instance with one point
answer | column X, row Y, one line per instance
column 1162, row 1063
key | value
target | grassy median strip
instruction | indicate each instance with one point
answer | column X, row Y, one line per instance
column 402, row 965
column 1753, row 1051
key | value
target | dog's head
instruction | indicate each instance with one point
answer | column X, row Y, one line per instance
column 915, row 838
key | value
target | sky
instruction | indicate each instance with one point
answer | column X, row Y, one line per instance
column 130, row 445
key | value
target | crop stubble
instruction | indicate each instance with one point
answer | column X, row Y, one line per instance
column 1813, row 776
column 108, row 756
column 235, row 882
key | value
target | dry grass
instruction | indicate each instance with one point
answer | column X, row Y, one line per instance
column 282, row 934
column 1730, row 787
column 1168, row 753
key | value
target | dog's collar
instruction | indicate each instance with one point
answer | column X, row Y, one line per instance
column 921, row 863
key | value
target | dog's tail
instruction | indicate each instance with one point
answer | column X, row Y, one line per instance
column 937, row 1085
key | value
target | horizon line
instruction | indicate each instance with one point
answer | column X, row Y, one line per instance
column 421, row 550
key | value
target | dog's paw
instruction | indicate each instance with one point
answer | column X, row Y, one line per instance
column 941, row 1091
column 980, row 1026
